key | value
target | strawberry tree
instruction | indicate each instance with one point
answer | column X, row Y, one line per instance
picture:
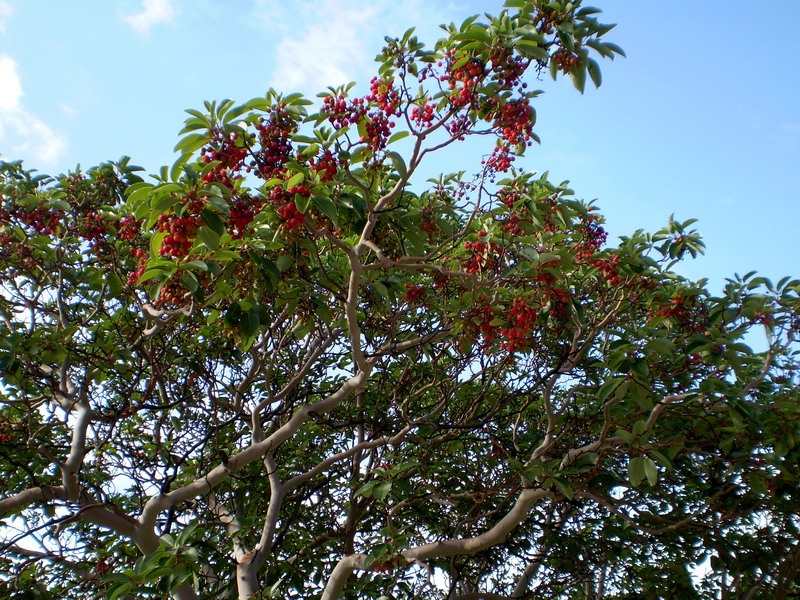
column 288, row 366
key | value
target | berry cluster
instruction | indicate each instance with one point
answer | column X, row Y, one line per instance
column 414, row 293
column 463, row 80
column 428, row 223
column 549, row 208
column 459, row 126
column 479, row 320
column 5, row 428
column 16, row 252
column 593, row 238
column 521, row 321
column 377, row 123
column 228, row 157
column 326, row 166
column 274, row 135
column 567, row 61
column 423, row 116
column 547, row 19
column 292, row 218
column 558, row 300
column 229, row 154
column 172, row 293
column 141, row 257
column 514, row 122
column 93, row 229
column 608, row 267
column 512, row 224
column 243, row 211
column 680, row 310
column 499, row 160
column 181, row 233
column 41, row 220
column 128, row 228
column 507, row 69
column 509, row 196
column 378, row 129
column 554, row 297
column 485, row 257
column 342, row 113
column 384, row 95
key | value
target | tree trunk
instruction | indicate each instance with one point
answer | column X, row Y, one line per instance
column 246, row 580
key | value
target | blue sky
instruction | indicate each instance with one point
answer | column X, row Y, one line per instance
column 701, row 120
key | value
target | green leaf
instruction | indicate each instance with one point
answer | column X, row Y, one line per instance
column 217, row 200
column 362, row 132
column 587, row 11
column 365, row 491
column 382, row 490
column 192, row 142
column 664, row 460
column 161, row 202
column 197, row 265
column 415, row 243
column 651, row 471
column 326, row 206
column 294, row 180
column 284, row 262
column 636, row 472
column 614, row 48
column 233, row 314
column 249, row 323
column 118, row 590
column 594, row 72
column 302, row 202
column 137, row 193
column 532, row 48
column 156, row 241
column 398, row 163
column 381, row 289
column 225, row 255
column 661, row 346
column 578, row 76
column 152, row 273
column 209, row 237
column 189, row 281
column 608, row 388
column 564, row 488
column 213, row 221
column 398, row 136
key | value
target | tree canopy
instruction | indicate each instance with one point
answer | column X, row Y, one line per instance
column 286, row 367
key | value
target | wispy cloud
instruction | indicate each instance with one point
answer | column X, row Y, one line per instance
column 28, row 135
column 68, row 110
column 6, row 10
column 154, row 12
column 334, row 41
column 329, row 51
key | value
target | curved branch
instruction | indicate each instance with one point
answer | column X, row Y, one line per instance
column 255, row 451
column 494, row 536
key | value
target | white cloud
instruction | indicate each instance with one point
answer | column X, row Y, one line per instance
column 29, row 137
column 329, row 51
column 68, row 110
column 334, row 41
column 153, row 12
column 10, row 86
column 6, row 10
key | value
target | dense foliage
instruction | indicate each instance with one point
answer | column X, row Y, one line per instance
column 286, row 367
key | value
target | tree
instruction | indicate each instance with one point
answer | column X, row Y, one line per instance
column 288, row 368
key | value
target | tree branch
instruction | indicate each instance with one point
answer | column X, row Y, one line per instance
column 496, row 535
